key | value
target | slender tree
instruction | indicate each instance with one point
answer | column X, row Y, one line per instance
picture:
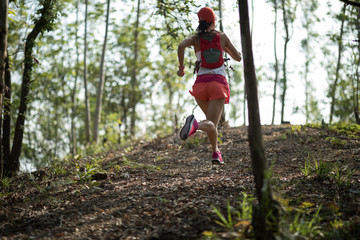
column 333, row 86
column 276, row 64
column 73, row 95
column 3, row 58
column 265, row 220
column 47, row 15
column 3, row 46
column 86, row 91
column 222, row 118
column 134, row 82
column 7, row 114
column 309, row 19
column 100, row 87
column 286, row 21
column 356, row 107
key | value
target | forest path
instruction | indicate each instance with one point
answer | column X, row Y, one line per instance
column 165, row 188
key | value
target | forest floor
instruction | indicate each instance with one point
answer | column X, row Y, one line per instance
column 168, row 189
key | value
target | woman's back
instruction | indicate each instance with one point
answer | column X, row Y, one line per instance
column 223, row 40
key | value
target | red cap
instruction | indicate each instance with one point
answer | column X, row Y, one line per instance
column 206, row 14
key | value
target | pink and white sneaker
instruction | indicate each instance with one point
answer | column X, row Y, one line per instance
column 190, row 127
column 216, row 158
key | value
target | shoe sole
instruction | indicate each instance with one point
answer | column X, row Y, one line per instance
column 184, row 133
column 217, row 162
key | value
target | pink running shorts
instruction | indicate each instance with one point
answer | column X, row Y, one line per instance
column 208, row 87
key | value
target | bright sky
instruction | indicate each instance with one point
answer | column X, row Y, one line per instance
column 264, row 56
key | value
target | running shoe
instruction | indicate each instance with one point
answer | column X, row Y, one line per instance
column 190, row 127
column 216, row 158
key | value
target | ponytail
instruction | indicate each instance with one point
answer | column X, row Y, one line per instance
column 203, row 27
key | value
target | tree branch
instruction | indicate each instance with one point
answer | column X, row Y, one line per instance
column 351, row 3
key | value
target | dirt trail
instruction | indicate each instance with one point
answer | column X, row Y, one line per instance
column 164, row 189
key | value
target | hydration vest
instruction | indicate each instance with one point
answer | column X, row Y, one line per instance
column 211, row 51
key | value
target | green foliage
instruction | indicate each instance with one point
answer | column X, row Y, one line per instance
column 85, row 172
column 235, row 216
column 5, row 184
column 11, row 12
column 336, row 142
column 282, row 137
column 49, row 13
column 317, row 166
column 304, row 225
column 176, row 19
column 237, row 220
column 226, row 222
column 127, row 162
column 57, row 168
column 346, row 129
column 302, row 222
column 295, row 129
column 343, row 76
column 246, row 202
column 341, row 230
column 343, row 175
column 307, row 169
column 322, row 168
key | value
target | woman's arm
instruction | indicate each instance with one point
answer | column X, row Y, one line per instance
column 231, row 50
column 181, row 51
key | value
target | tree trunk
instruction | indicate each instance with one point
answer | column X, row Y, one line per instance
column 73, row 95
column 284, row 79
column 307, row 62
column 356, row 110
column 125, row 109
column 353, row 3
column 87, row 103
column 220, row 16
column 3, row 56
column 265, row 220
column 222, row 118
column 252, row 18
column 338, row 65
column 276, row 66
column 41, row 25
column 100, row 88
column 7, row 115
column 134, row 87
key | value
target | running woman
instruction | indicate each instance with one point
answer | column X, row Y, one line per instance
column 211, row 89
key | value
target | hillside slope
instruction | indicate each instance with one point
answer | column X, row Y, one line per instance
column 165, row 189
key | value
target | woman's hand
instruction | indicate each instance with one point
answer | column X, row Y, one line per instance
column 181, row 71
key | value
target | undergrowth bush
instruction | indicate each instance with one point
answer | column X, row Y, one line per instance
column 348, row 129
column 299, row 222
column 317, row 167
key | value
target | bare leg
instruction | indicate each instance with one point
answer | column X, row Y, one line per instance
column 212, row 110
